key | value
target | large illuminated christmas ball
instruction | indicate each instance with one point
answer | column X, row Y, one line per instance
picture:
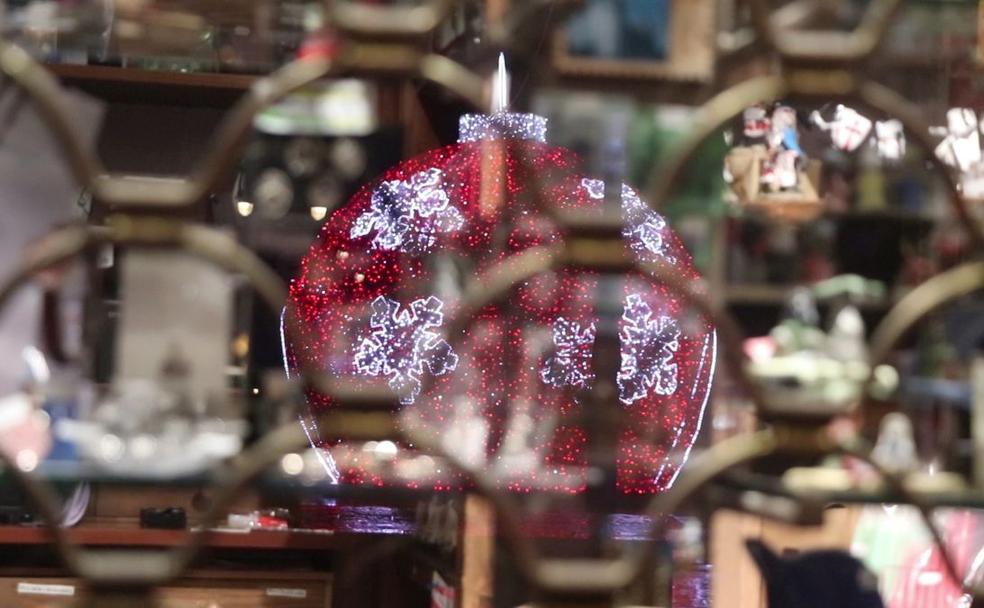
column 375, row 292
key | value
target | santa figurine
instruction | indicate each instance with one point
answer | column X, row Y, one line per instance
column 756, row 126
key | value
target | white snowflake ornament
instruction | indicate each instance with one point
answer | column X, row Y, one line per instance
column 648, row 346
column 644, row 228
column 407, row 215
column 571, row 363
column 403, row 343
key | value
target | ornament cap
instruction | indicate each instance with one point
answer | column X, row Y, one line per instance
column 500, row 123
column 502, row 126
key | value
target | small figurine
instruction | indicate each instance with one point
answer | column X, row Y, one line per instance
column 890, row 140
column 767, row 168
column 895, row 450
column 972, row 183
column 781, row 172
column 756, row 126
column 848, row 129
column 961, row 147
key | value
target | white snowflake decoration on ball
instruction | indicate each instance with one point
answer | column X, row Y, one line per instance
column 649, row 344
column 571, row 363
column 407, row 215
column 403, row 343
column 594, row 187
column 644, row 228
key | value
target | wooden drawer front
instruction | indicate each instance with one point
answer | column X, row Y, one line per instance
column 204, row 593
column 41, row 592
column 44, row 592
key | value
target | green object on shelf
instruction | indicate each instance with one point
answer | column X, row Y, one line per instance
column 851, row 286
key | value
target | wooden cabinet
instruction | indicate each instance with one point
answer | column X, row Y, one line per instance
column 736, row 582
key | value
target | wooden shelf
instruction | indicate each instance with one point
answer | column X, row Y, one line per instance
column 151, row 87
column 758, row 294
column 129, row 535
column 778, row 295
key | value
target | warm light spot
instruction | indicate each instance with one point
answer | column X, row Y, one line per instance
column 292, row 464
column 27, row 460
column 240, row 345
column 111, row 447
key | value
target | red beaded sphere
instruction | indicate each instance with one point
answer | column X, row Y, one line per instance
column 388, row 271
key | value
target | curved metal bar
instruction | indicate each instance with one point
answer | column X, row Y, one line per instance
column 66, row 244
column 397, row 21
column 863, row 453
column 883, row 99
column 701, row 469
column 526, row 23
column 454, row 77
column 762, row 23
column 233, row 480
column 712, row 116
column 46, row 93
column 508, row 516
column 221, row 157
column 920, row 302
column 723, row 457
column 827, row 45
column 877, row 20
column 226, row 253
column 728, row 330
column 219, row 161
column 725, row 106
column 61, row 246
column 494, row 286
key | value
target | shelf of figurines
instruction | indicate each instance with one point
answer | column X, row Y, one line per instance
column 797, row 164
column 843, row 487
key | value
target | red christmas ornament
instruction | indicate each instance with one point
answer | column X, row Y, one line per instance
column 388, row 271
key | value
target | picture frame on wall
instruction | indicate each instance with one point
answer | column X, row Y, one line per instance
column 638, row 39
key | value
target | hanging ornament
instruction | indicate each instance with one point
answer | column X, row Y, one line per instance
column 960, row 148
column 849, row 130
column 376, row 291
